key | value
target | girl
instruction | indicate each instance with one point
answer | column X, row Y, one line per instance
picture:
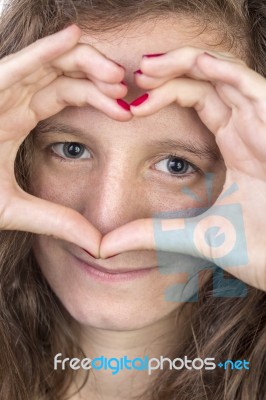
column 110, row 122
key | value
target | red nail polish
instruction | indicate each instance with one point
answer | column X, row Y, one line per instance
column 153, row 55
column 123, row 104
column 138, row 72
column 139, row 100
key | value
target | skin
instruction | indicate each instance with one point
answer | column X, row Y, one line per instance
column 124, row 157
column 134, row 317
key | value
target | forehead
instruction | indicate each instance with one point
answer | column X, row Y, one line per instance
column 127, row 44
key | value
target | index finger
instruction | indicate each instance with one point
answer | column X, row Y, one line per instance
column 195, row 63
column 179, row 62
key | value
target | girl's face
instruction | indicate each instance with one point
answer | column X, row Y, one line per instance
column 118, row 172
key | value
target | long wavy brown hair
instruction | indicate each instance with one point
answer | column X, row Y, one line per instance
column 34, row 326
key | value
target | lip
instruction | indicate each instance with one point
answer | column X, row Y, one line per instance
column 107, row 275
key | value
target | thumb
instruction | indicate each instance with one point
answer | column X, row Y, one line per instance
column 216, row 235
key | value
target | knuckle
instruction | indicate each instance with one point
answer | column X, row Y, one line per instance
column 108, row 73
column 243, row 79
column 81, row 59
column 185, row 53
column 188, row 50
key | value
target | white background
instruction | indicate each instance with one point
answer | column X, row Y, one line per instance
column 1, row 4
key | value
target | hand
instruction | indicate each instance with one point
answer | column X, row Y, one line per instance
column 230, row 99
column 36, row 83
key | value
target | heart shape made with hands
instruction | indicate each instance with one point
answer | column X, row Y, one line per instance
column 229, row 98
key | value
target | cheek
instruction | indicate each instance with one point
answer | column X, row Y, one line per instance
column 50, row 257
column 65, row 188
column 188, row 198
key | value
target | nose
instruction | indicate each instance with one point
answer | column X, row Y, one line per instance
column 113, row 199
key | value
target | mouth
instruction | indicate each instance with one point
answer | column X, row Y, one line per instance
column 111, row 274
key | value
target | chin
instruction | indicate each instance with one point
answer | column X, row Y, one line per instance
column 97, row 302
column 109, row 314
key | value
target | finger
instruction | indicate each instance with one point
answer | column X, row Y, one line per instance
column 136, row 235
column 194, row 63
column 251, row 84
column 87, row 59
column 33, row 57
column 182, row 61
column 31, row 214
column 148, row 82
column 64, row 92
column 200, row 95
column 148, row 234
column 210, row 236
column 115, row 91
column 232, row 97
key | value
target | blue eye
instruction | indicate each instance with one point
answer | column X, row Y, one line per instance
column 71, row 150
column 175, row 166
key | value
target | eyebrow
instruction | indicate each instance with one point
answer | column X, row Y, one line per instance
column 201, row 149
column 198, row 148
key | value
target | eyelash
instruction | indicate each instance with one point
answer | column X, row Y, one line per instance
column 197, row 170
column 65, row 159
column 163, row 157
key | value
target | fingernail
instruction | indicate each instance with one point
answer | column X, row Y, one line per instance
column 123, row 83
column 210, row 55
column 139, row 100
column 123, row 104
column 138, row 72
column 153, row 55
